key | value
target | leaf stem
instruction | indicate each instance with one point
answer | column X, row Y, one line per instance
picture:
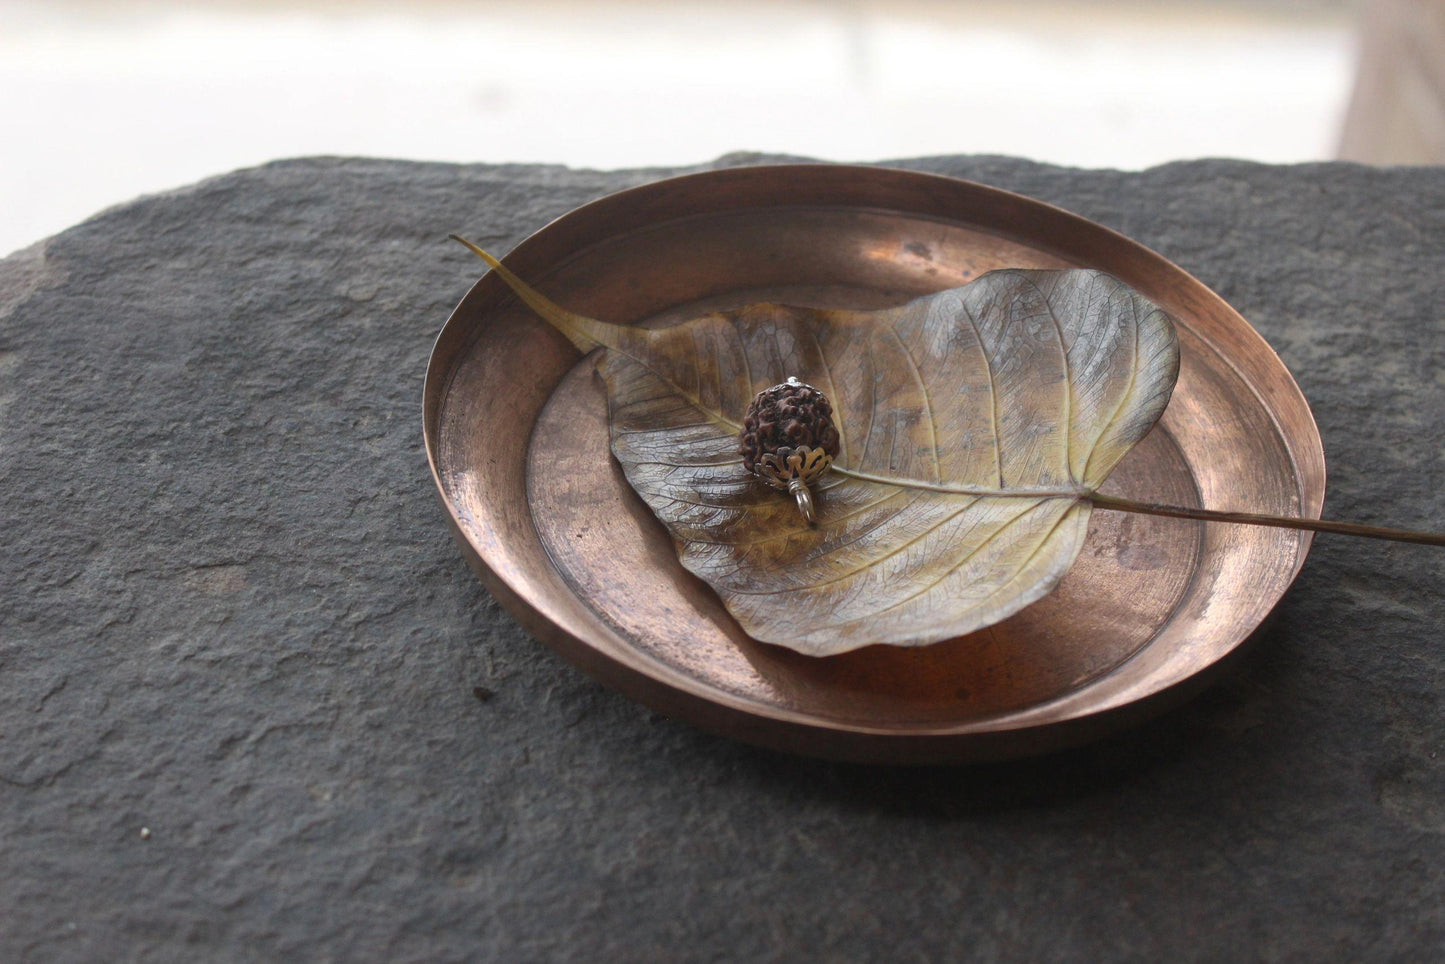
column 587, row 333
column 983, row 491
column 1258, row 519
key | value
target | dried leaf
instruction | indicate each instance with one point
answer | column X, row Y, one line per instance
column 975, row 424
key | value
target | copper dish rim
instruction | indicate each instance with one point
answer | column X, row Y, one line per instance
column 676, row 694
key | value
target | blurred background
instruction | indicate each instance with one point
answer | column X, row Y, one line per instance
column 107, row 100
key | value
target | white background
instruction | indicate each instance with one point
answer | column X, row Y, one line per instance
column 100, row 102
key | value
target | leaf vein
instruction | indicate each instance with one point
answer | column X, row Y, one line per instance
column 779, row 536
column 1123, row 399
column 927, row 401
column 963, row 561
column 992, row 390
column 872, row 406
column 872, row 562
column 1067, row 421
column 735, row 324
column 832, row 394
column 641, row 486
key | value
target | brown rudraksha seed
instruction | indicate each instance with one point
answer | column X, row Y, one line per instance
column 788, row 439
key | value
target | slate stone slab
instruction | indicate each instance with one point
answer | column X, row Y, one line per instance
column 231, row 613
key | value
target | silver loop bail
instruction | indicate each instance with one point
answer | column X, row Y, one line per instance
column 804, row 497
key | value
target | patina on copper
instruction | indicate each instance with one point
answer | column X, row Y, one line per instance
column 516, row 434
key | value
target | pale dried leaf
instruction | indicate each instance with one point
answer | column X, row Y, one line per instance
column 974, row 423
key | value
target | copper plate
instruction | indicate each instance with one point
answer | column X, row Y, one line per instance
column 516, row 434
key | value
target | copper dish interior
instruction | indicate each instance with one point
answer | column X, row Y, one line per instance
column 516, row 431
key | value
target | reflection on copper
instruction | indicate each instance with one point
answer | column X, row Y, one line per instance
column 516, row 436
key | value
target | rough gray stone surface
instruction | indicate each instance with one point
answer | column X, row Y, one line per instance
column 231, row 613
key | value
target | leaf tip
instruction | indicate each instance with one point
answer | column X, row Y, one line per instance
column 585, row 333
column 474, row 249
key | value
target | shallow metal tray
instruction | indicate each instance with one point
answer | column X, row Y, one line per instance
column 516, row 435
